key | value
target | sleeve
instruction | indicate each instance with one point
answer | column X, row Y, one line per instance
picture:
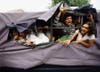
column 57, row 18
column 77, row 31
column 92, row 37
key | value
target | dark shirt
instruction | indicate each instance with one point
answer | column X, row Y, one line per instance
column 63, row 30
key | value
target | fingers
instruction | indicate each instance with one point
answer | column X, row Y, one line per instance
column 67, row 42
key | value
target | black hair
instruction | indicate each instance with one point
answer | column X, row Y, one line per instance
column 94, row 13
column 11, row 30
column 65, row 16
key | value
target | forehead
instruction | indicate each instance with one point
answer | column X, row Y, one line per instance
column 68, row 17
column 86, row 25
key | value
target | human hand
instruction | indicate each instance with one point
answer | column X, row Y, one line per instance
column 15, row 37
column 67, row 42
column 28, row 42
column 62, row 7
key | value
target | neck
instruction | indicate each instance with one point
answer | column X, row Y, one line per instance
column 84, row 34
column 68, row 25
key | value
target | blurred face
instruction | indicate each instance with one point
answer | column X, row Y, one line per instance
column 22, row 34
column 68, row 20
column 15, row 33
column 84, row 29
column 29, row 30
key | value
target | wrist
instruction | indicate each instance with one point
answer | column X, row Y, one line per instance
column 68, row 41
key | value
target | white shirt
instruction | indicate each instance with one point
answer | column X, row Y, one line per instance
column 86, row 37
column 40, row 38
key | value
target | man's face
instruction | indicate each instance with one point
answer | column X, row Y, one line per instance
column 68, row 20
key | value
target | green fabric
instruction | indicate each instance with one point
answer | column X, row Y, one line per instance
column 65, row 37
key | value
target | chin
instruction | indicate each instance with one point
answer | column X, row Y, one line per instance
column 69, row 24
column 82, row 32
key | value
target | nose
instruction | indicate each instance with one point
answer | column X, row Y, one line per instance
column 82, row 28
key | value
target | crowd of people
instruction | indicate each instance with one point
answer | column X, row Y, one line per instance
column 74, row 31
column 69, row 30
column 29, row 37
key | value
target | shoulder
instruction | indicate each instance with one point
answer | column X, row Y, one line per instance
column 92, row 37
column 73, row 25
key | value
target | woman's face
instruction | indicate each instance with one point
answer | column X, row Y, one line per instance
column 84, row 29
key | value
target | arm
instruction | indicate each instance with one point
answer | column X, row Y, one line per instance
column 59, row 14
column 86, row 44
column 67, row 42
column 61, row 9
